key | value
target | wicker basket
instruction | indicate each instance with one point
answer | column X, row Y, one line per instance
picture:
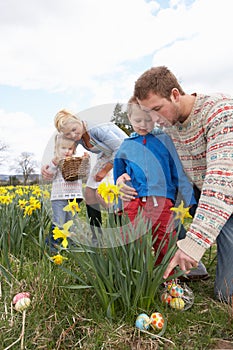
column 75, row 168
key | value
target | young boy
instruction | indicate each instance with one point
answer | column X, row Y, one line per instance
column 150, row 159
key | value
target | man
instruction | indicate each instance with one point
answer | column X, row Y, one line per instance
column 201, row 127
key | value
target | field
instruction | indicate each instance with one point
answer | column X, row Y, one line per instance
column 92, row 299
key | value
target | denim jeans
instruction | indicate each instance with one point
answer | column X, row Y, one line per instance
column 223, row 287
column 60, row 217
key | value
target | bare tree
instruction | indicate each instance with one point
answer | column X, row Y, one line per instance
column 25, row 165
column 3, row 149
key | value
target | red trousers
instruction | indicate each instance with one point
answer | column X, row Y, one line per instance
column 159, row 216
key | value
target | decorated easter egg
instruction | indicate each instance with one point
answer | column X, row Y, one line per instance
column 142, row 321
column 170, row 284
column 177, row 303
column 20, row 295
column 166, row 298
column 21, row 301
column 22, row 304
column 176, row 291
column 157, row 320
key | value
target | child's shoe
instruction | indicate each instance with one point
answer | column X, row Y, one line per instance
column 52, row 243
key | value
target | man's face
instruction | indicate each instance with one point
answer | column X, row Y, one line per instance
column 161, row 110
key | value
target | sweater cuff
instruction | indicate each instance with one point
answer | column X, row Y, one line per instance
column 191, row 248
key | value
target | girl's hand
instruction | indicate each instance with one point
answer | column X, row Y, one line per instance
column 47, row 175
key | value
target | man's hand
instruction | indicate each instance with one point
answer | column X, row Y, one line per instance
column 129, row 192
column 184, row 261
column 47, row 175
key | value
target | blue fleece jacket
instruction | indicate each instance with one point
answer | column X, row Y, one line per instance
column 154, row 166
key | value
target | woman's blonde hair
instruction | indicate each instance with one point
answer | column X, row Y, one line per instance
column 60, row 140
column 63, row 117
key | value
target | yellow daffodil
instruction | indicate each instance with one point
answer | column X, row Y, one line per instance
column 37, row 191
column 22, row 203
column 72, row 206
column 63, row 234
column 6, row 199
column 35, row 203
column 58, row 259
column 181, row 212
column 109, row 192
column 19, row 191
column 3, row 190
column 46, row 194
column 28, row 210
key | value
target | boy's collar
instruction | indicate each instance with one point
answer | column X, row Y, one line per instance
column 155, row 131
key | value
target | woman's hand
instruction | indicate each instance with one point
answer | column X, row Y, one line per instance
column 100, row 175
column 103, row 172
column 86, row 155
column 129, row 192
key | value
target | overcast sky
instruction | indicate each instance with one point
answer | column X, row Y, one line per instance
column 79, row 54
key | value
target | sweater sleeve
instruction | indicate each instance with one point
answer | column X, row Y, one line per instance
column 216, row 202
column 184, row 186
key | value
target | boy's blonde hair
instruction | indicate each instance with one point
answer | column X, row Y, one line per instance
column 63, row 117
column 132, row 103
column 61, row 140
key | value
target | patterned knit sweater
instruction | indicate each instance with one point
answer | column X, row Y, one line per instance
column 204, row 143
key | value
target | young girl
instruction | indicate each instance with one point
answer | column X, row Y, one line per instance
column 104, row 140
column 62, row 191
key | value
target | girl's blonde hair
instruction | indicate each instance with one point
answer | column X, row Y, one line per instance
column 63, row 117
column 61, row 139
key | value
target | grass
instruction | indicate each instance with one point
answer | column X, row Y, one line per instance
column 61, row 318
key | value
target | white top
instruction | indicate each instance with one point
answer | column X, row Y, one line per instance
column 62, row 189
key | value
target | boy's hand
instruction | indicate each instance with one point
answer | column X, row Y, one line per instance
column 129, row 192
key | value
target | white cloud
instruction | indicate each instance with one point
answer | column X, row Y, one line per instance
column 203, row 57
column 52, row 50
column 22, row 134
column 95, row 50
column 62, row 44
column 77, row 43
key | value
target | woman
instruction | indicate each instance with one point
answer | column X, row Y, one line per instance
column 104, row 140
